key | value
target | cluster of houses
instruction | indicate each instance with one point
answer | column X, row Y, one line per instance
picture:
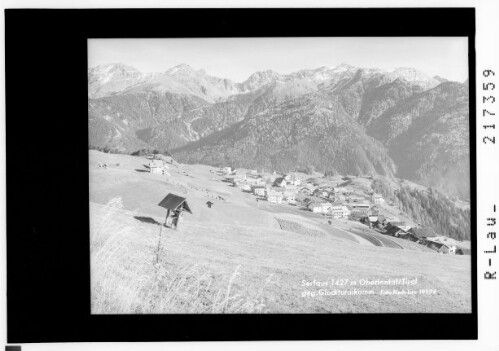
column 423, row 236
column 272, row 188
column 339, row 203
column 333, row 202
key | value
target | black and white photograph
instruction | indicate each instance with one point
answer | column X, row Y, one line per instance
column 270, row 175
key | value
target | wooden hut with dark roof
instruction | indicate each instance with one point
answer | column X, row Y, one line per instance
column 423, row 232
column 394, row 230
column 175, row 206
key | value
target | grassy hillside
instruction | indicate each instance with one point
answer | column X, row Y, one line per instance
column 235, row 258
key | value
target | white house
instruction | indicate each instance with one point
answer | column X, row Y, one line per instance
column 156, row 170
column 319, row 207
column 377, row 199
column 339, row 212
column 360, row 209
column 315, row 207
column 274, row 197
column 237, row 179
column 158, row 167
column 258, row 190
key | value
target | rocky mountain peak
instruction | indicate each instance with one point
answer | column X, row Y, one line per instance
column 181, row 69
column 260, row 78
column 368, row 120
column 107, row 71
column 112, row 77
column 344, row 67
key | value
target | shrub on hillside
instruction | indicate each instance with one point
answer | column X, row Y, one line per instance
column 107, row 149
column 148, row 151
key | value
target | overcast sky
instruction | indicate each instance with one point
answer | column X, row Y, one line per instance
column 238, row 58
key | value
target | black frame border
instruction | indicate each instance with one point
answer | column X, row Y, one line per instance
column 48, row 262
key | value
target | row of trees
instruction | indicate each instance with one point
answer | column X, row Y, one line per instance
column 147, row 151
column 428, row 207
column 107, row 149
column 437, row 211
column 141, row 152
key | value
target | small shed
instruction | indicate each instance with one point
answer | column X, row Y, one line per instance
column 175, row 206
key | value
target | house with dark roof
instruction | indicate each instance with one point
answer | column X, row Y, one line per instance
column 408, row 236
column 396, row 229
column 279, row 182
column 462, row 251
column 439, row 247
column 360, row 209
column 423, row 232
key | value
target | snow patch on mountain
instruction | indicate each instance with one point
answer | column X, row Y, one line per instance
column 413, row 76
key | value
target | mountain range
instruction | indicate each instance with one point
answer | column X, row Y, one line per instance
column 345, row 119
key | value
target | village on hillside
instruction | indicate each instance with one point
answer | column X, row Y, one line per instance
column 338, row 197
column 219, row 184
column 224, row 240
